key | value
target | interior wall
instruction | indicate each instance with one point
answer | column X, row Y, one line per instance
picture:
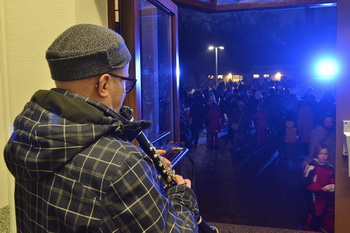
column 27, row 28
column 4, row 115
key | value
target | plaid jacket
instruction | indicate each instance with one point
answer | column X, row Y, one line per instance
column 76, row 171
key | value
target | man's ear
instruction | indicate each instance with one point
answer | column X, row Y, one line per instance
column 101, row 85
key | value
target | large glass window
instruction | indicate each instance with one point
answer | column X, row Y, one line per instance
column 156, row 68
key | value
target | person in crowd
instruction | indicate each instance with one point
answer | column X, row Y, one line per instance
column 75, row 167
column 311, row 101
column 272, row 104
column 327, row 103
column 309, row 94
column 254, row 98
column 319, row 183
column 211, row 100
column 288, row 102
column 290, row 138
column 197, row 116
column 220, row 90
column 226, row 98
column 323, row 133
column 231, row 104
column 185, row 126
column 215, row 119
column 305, row 124
column 239, row 124
column 261, row 122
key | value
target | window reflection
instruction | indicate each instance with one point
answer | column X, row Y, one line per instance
column 156, row 68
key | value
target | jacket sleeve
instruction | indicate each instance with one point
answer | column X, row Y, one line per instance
column 310, row 179
column 138, row 202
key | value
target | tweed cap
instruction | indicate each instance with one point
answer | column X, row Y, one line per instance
column 86, row 50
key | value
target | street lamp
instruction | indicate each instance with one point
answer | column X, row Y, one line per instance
column 216, row 60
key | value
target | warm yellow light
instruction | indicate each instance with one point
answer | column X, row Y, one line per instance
column 256, row 75
column 237, row 78
column 266, row 76
column 228, row 77
column 278, row 76
column 220, row 76
column 211, row 47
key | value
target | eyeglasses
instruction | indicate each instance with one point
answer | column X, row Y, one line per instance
column 130, row 82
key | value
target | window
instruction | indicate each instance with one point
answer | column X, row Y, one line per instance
column 156, row 68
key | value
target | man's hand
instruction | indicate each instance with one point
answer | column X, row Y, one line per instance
column 163, row 152
column 180, row 180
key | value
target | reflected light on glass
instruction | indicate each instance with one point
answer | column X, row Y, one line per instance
column 278, row 76
column 327, row 69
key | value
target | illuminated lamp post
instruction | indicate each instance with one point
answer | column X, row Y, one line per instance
column 216, row 61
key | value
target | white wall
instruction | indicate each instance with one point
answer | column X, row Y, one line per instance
column 27, row 28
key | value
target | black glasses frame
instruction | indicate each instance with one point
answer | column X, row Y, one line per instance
column 130, row 79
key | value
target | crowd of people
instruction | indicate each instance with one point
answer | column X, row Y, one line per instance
column 244, row 112
column 274, row 114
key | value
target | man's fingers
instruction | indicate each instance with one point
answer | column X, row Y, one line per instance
column 188, row 183
column 180, row 180
column 168, row 163
column 161, row 152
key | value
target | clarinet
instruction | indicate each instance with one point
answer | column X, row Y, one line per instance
column 166, row 172
column 168, row 175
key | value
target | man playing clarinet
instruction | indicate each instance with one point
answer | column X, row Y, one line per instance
column 70, row 152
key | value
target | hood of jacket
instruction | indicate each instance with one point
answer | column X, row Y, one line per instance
column 56, row 125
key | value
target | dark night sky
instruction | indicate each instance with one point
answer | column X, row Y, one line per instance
column 275, row 38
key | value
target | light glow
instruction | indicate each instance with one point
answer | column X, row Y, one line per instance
column 278, row 76
column 327, row 68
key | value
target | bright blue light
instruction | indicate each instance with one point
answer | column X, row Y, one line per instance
column 327, row 69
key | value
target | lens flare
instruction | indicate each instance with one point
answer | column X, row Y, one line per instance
column 327, row 68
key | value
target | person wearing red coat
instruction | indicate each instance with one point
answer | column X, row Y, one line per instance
column 261, row 122
column 319, row 180
column 215, row 119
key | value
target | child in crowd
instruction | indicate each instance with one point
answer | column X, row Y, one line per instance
column 319, row 180
column 215, row 119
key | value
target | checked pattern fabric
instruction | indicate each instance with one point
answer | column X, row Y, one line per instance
column 76, row 171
